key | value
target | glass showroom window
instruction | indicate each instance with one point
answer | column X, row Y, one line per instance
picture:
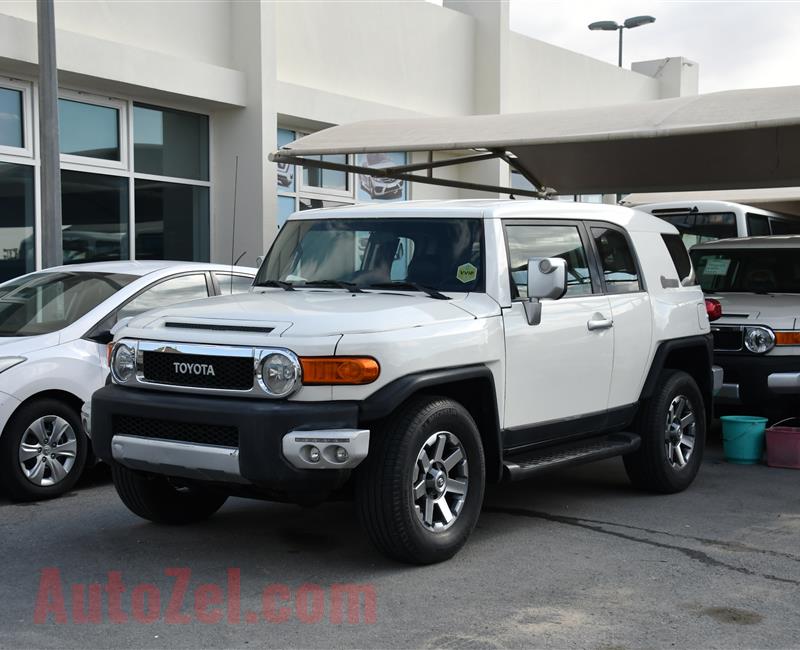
column 88, row 130
column 17, row 250
column 322, row 188
column 11, row 118
column 94, row 211
column 171, row 221
column 171, row 186
column 170, row 143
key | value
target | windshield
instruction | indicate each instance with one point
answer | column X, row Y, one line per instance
column 751, row 270
column 438, row 254
column 47, row 302
column 699, row 227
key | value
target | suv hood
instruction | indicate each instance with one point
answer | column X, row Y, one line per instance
column 304, row 312
column 780, row 310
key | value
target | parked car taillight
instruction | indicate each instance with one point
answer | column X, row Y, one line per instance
column 713, row 309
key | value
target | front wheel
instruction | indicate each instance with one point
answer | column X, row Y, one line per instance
column 42, row 450
column 672, row 425
column 157, row 499
column 420, row 491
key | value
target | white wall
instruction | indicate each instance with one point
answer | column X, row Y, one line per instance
column 194, row 30
column 410, row 55
column 545, row 77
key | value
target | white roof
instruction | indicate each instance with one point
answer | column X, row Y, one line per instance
column 714, row 141
column 785, row 200
column 629, row 218
column 772, row 241
column 145, row 267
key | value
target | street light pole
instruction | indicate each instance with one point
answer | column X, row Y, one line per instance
column 613, row 26
column 50, row 193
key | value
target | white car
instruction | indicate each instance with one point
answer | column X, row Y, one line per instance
column 54, row 329
column 757, row 337
column 520, row 336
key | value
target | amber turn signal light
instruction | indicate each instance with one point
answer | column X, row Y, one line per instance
column 339, row 370
column 787, row 338
column 109, row 351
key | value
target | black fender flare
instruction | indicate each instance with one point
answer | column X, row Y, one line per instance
column 385, row 400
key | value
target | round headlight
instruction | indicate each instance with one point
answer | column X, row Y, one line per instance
column 123, row 362
column 280, row 374
column 759, row 339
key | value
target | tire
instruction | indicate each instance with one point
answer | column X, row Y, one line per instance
column 43, row 450
column 156, row 499
column 411, row 526
column 656, row 466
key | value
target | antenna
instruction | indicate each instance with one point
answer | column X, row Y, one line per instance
column 233, row 230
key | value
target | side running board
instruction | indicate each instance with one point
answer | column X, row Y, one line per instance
column 528, row 463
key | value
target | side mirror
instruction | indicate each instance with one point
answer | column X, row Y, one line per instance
column 547, row 279
column 259, row 261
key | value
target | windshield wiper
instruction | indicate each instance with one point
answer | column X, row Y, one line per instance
column 404, row 284
column 286, row 286
column 341, row 284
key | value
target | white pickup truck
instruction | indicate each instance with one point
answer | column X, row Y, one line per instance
column 412, row 352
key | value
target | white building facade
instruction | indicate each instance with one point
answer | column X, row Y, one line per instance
column 159, row 100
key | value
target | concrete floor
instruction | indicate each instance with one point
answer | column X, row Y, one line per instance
column 574, row 559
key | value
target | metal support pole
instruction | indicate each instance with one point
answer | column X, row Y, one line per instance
column 620, row 45
column 52, row 246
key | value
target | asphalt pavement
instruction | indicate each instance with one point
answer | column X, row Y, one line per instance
column 573, row 559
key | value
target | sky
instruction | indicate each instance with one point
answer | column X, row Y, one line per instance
column 738, row 44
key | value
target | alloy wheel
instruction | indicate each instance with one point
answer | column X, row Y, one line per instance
column 47, row 450
column 681, row 429
column 439, row 481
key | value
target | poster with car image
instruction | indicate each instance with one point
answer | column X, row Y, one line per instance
column 380, row 188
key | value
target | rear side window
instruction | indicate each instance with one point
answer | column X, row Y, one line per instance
column 679, row 255
column 757, row 225
column 619, row 268
column 785, row 226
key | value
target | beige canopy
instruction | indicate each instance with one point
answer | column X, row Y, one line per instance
column 733, row 139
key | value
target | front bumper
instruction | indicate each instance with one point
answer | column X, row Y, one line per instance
column 255, row 452
column 751, row 379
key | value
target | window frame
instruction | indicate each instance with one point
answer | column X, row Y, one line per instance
column 93, row 332
column 598, row 288
column 28, row 117
column 593, row 223
column 121, row 107
column 218, row 286
column 210, row 290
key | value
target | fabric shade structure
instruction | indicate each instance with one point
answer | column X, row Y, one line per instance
column 732, row 139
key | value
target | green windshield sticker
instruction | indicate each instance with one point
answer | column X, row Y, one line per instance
column 467, row 273
column 716, row 267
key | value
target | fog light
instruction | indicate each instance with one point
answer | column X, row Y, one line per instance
column 340, row 454
column 313, row 455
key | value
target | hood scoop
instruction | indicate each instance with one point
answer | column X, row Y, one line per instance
column 219, row 327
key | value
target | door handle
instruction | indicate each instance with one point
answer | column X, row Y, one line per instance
column 599, row 322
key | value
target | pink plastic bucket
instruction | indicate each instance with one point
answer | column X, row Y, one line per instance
column 783, row 447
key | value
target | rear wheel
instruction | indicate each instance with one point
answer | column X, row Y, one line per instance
column 420, row 491
column 157, row 499
column 42, row 450
column 672, row 425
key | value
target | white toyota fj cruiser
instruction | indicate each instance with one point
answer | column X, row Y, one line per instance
column 413, row 352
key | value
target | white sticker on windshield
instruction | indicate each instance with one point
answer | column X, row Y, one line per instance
column 716, row 267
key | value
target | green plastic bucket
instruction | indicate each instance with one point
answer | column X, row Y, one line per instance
column 743, row 438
